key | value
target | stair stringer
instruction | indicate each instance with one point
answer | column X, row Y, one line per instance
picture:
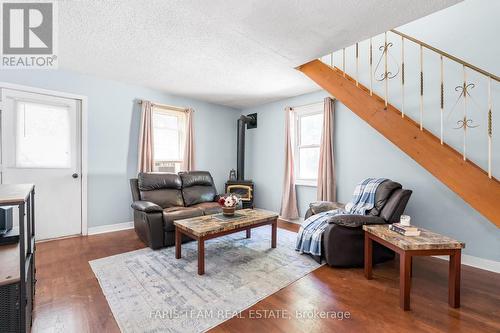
column 464, row 178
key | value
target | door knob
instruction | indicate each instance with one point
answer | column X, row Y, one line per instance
column 75, row 175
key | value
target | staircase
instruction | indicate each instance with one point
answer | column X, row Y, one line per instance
column 474, row 185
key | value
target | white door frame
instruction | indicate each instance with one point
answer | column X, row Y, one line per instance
column 84, row 133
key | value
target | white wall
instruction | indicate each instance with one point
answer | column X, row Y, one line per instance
column 468, row 31
column 113, row 130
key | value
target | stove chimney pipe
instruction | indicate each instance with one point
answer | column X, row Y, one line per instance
column 249, row 121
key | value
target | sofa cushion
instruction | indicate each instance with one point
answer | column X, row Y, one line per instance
column 163, row 189
column 178, row 213
column 192, row 178
column 209, row 208
column 198, row 194
column 382, row 194
column 150, row 181
column 197, row 187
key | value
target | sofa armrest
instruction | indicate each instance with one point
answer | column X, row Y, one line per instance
column 355, row 221
column 150, row 228
column 146, row 206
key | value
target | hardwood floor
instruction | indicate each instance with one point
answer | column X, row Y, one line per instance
column 69, row 298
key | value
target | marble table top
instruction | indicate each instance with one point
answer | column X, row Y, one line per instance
column 427, row 240
column 209, row 224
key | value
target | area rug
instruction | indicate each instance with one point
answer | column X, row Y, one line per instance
column 151, row 291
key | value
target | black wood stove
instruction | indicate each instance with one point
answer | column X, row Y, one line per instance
column 242, row 187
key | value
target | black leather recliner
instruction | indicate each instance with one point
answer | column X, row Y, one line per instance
column 161, row 198
column 343, row 239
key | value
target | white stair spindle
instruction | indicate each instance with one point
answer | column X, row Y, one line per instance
column 402, row 77
column 371, row 67
column 442, row 99
column 490, row 125
column 343, row 61
column 386, row 78
column 465, row 114
column 357, row 64
column 421, row 88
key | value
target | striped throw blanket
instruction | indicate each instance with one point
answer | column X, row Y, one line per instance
column 311, row 231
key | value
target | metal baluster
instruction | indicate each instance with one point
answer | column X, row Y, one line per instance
column 421, row 88
column 371, row 68
column 402, row 77
column 386, row 79
column 465, row 112
column 442, row 98
column 490, row 125
column 343, row 61
column 357, row 64
column 331, row 60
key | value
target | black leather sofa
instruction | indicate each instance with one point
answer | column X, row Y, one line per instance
column 343, row 239
column 161, row 198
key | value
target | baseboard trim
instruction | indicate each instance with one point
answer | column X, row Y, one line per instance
column 110, row 228
column 481, row 263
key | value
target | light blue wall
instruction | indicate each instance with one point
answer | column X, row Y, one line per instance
column 113, row 127
column 265, row 153
column 361, row 152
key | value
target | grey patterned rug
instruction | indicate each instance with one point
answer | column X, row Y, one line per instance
column 151, row 291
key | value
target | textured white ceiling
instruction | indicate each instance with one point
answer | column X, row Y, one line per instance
column 236, row 53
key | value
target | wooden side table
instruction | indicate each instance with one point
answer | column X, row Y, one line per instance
column 427, row 244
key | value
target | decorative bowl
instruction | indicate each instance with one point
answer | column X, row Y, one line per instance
column 228, row 211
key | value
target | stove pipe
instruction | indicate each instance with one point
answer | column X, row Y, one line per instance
column 242, row 124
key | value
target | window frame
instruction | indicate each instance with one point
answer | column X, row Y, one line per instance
column 298, row 114
column 181, row 132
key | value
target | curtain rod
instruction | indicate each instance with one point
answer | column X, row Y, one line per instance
column 309, row 104
column 165, row 106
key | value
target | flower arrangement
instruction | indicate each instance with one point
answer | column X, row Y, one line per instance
column 228, row 203
column 229, row 200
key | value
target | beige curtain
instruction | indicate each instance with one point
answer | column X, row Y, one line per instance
column 289, row 208
column 146, row 160
column 326, row 171
column 188, row 155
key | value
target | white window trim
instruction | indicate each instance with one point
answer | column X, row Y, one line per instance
column 181, row 131
column 297, row 114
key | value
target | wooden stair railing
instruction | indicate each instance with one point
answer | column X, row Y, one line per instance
column 464, row 178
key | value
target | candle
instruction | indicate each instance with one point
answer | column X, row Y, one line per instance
column 405, row 220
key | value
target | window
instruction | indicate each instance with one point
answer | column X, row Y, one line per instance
column 307, row 136
column 43, row 135
column 168, row 139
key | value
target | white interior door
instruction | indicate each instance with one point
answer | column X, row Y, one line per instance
column 41, row 144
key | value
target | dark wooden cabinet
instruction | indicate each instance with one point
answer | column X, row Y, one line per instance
column 17, row 262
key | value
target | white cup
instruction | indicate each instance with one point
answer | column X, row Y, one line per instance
column 405, row 220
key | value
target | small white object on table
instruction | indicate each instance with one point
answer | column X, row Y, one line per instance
column 405, row 220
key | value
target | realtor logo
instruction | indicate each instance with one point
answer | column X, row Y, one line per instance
column 28, row 35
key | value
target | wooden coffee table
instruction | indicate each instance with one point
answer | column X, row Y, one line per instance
column 209, row 226
column 427, row 244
